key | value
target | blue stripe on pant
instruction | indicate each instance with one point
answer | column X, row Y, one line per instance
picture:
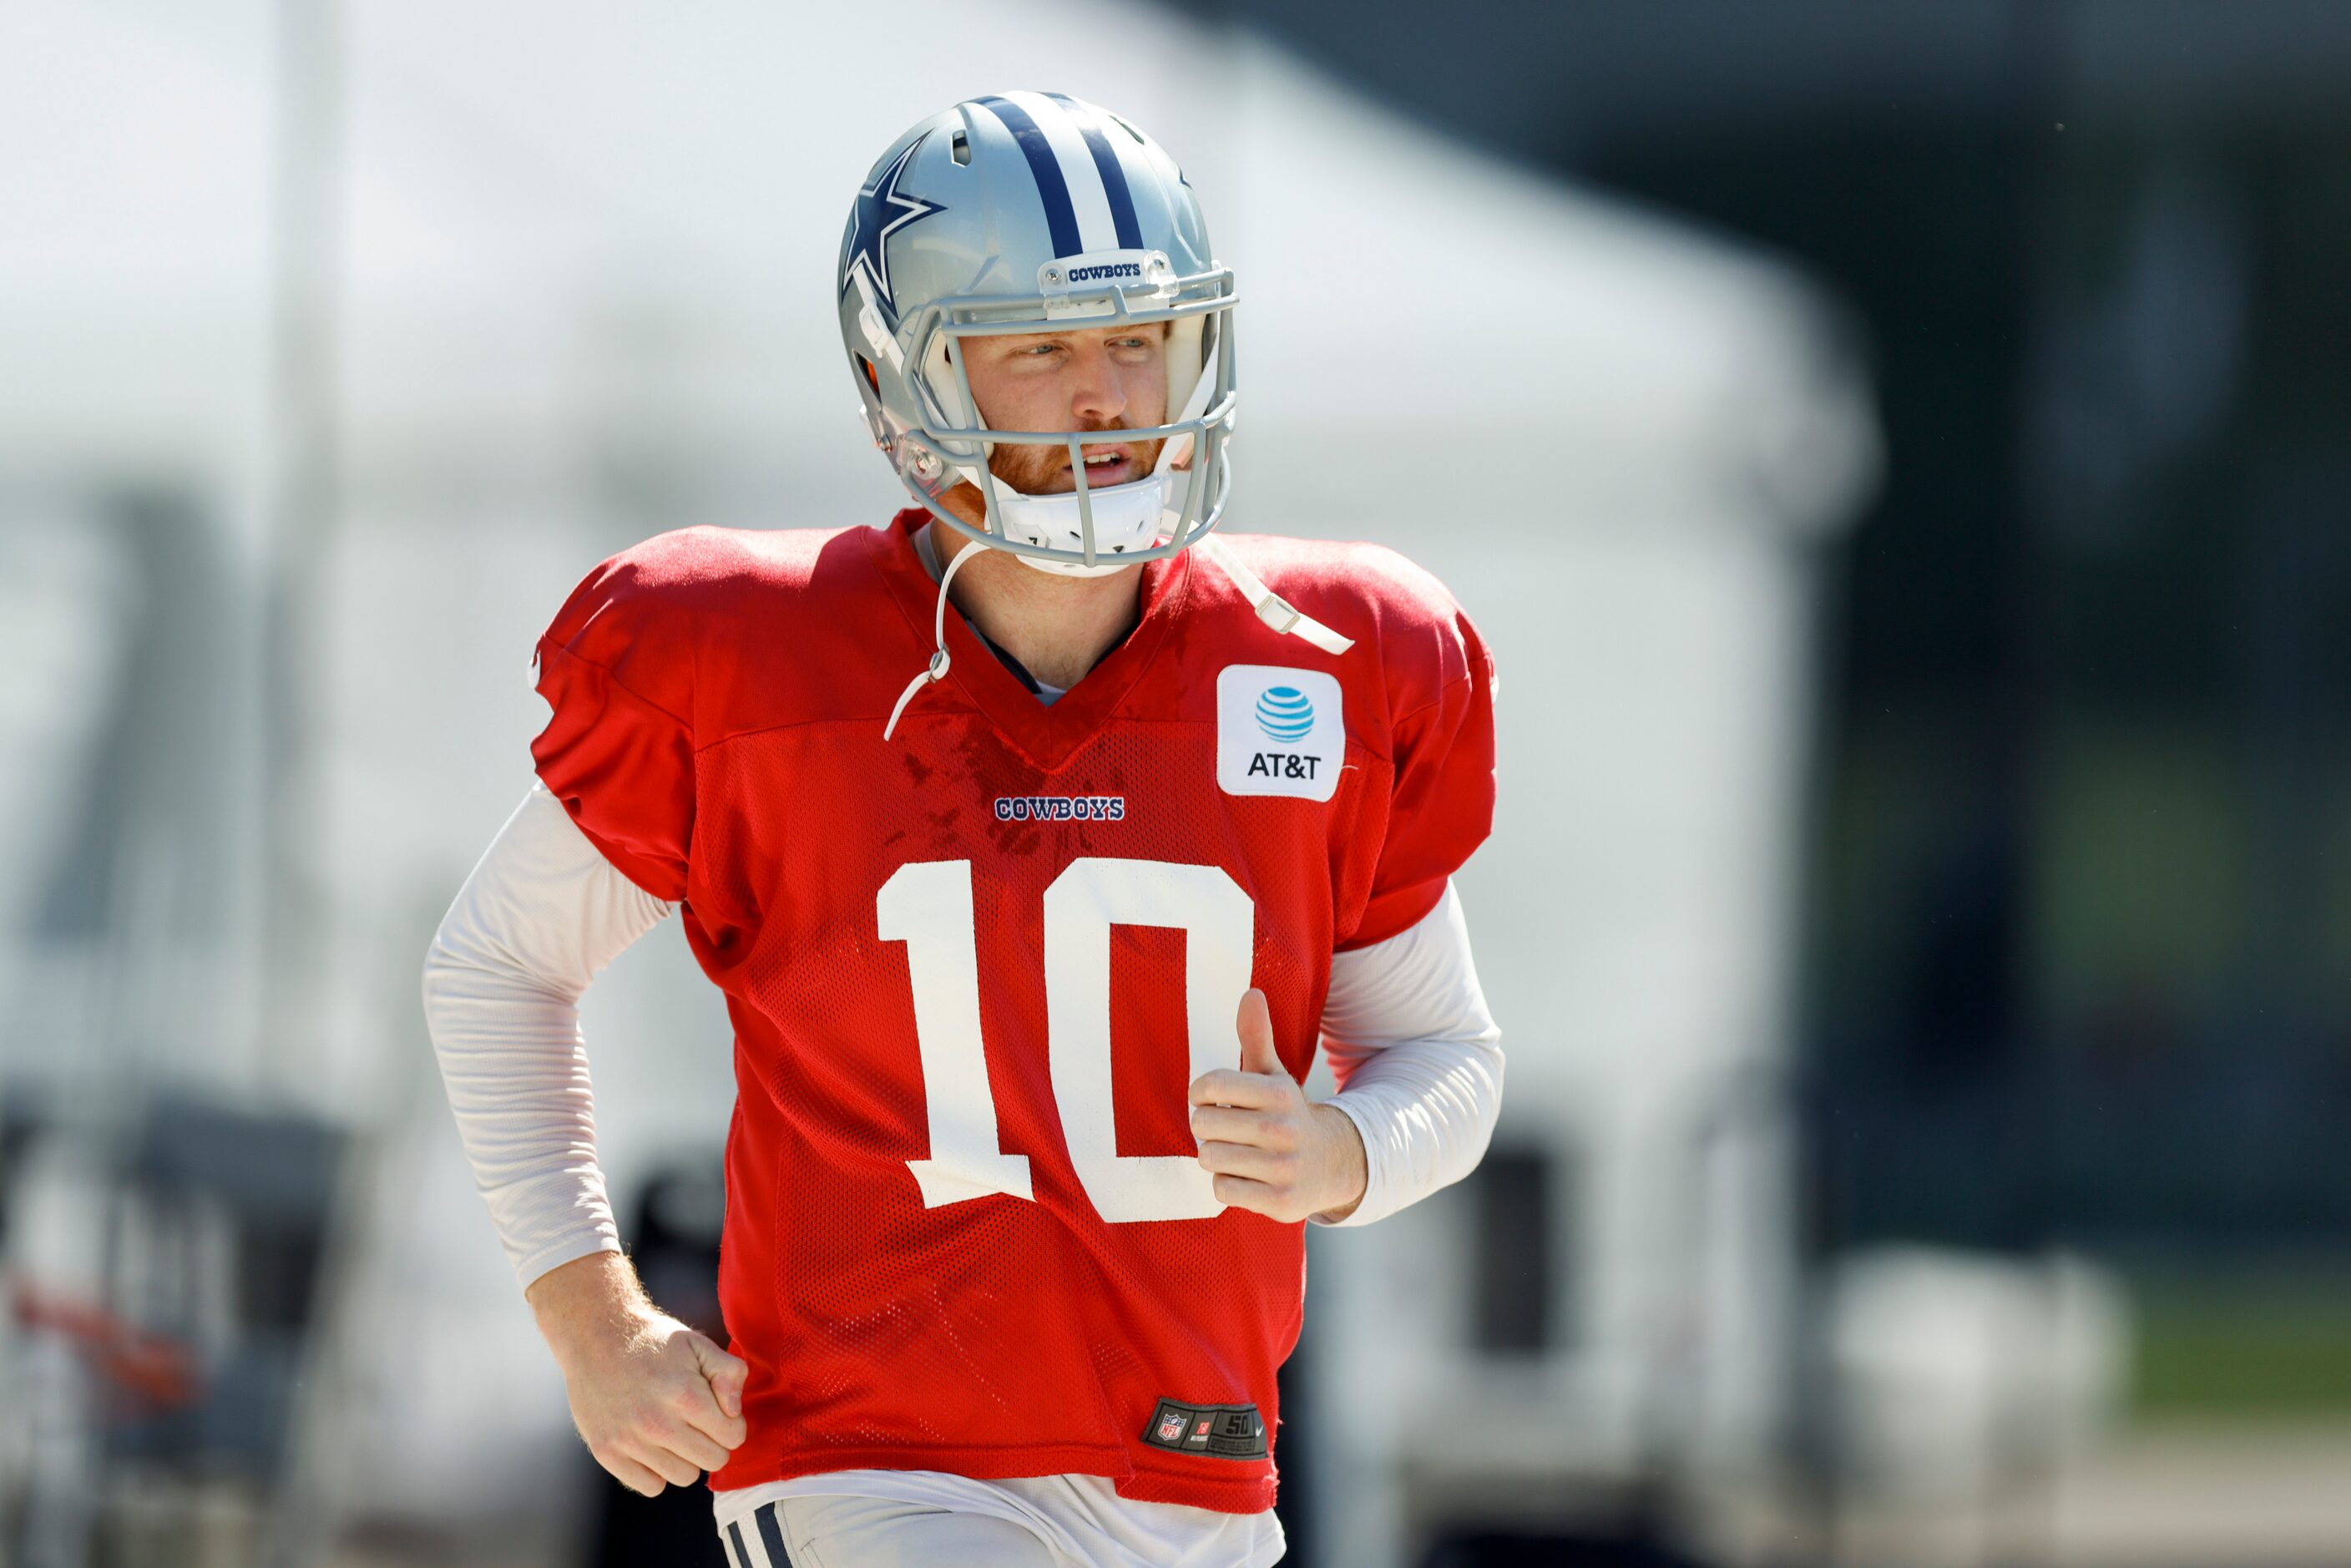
column 771, row 1536
column 770, row 1553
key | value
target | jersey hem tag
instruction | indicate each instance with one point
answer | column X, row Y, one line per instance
column 1219, row 1431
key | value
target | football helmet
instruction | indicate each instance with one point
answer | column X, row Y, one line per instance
column 1021, row 212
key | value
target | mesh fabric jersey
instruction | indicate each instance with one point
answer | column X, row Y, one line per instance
column 973, row 969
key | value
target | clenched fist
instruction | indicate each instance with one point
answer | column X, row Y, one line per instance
column 656, row 1402
column 1274, row 1151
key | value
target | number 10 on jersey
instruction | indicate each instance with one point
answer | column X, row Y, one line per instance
column 927, row 904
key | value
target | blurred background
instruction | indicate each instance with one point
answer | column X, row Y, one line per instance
column 1900, row 454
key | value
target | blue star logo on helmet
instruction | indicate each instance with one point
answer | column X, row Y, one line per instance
column 1285, row 714
column 881, row 211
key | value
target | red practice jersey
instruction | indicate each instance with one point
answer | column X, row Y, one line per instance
column 973, row 969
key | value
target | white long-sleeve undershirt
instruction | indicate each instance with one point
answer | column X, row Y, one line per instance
column 1415, row 1051
column 1417, row 1059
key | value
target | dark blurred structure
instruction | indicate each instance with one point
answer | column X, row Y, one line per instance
column 2082, row 890
column 167, row 1371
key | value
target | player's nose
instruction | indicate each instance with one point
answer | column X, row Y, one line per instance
column 1095, row 395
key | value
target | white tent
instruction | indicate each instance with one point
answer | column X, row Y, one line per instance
column 579, row 268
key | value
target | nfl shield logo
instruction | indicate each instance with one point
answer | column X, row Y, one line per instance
column 1171, row 1425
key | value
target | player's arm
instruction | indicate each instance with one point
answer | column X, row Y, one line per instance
column 1418, row 1061
column 540, row 916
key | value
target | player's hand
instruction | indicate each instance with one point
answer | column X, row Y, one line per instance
column 1273, row 1150
column 656, row 1402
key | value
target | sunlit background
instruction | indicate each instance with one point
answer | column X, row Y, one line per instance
column 1900, row 455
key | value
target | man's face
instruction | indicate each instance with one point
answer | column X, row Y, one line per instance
column 1089, row 378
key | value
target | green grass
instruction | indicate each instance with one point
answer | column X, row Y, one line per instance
column 2261, row 1347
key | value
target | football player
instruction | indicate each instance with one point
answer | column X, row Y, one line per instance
column 1035, row 840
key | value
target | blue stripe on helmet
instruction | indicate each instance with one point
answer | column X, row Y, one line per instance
column 1113, row 175
column 1061, row 218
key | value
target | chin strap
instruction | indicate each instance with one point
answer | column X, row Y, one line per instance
column 937, row 668
column 1271, row 608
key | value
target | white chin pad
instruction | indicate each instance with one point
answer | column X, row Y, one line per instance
column 1126, row 517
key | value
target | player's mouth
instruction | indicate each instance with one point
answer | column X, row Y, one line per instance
column 1109, row 466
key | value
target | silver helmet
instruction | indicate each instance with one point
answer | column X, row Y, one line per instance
column 1021, row 212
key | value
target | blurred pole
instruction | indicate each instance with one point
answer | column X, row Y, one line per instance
column 2020, row 1510
column 303, row 504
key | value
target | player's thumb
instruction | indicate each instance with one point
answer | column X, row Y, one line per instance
column 1256, row 1026
column 725, row 1374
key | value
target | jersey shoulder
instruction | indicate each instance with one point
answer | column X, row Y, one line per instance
column 672, row 619
column 1391, row 607
column 702, row 571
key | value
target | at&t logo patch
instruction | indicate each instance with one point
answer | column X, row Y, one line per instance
column 1278, row 732
column 1285, row 714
